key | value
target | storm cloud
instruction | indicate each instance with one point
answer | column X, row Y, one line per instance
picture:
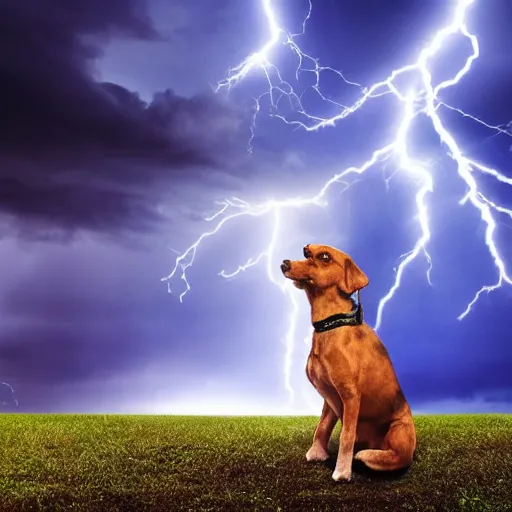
column 78, row 153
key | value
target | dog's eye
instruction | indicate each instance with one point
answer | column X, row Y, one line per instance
column 324, row 257
column 307, row 253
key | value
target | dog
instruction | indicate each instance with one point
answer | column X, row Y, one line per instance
column 351, row 369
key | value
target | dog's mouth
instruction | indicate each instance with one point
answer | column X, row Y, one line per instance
column 303, row 284
column 302, row 281
column 286, row 268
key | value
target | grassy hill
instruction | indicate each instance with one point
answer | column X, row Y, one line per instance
column 166, row 463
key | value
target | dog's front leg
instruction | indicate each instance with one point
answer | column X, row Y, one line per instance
column 343, row 470
column 323, row 431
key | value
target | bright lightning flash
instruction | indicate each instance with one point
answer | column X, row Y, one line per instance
column 424, row 100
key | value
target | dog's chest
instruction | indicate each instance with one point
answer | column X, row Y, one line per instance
column 317, row 367
column 316, row 371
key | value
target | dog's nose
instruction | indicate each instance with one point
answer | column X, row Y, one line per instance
column 286, row 266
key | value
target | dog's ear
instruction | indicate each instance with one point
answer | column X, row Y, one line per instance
column 353, row 278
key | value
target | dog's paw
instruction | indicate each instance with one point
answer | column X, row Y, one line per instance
column 317, row 454
column 342, row 476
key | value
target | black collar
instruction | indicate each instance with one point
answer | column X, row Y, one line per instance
column 355, row 317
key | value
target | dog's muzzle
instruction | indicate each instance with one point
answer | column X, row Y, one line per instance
column 286, row 266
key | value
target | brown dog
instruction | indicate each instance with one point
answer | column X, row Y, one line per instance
column 350, row 367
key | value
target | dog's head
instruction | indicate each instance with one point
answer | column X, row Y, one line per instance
column 323, row 268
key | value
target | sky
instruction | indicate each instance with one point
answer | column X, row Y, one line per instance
column 115, row 148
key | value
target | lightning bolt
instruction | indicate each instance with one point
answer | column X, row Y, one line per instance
column 422, row 100
column 13, row 396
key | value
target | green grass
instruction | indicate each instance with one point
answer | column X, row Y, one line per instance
column 96, row 462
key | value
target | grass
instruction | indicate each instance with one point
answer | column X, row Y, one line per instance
column 166, row 463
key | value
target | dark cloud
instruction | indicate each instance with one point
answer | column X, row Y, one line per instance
column 71, row 147
column 79, row 314
column 61, row 355
column 71, row 206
